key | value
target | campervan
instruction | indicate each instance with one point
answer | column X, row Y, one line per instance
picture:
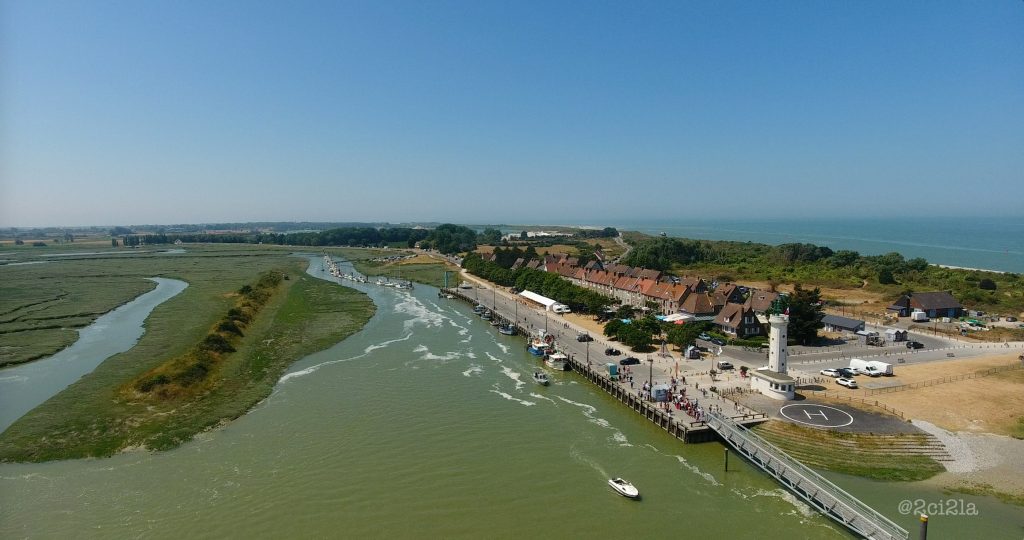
column 560, row 308
column 919, row 316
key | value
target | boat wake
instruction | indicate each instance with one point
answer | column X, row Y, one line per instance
column 577, row 455
column 589, row 411
column 538, row 396
column 473, row 370
column 410, row 305
column 429, row 356
column 369, row 349
column 801, row 507
column 696, row 470
column 312, row 369
column 510, row 397
column 514, row 375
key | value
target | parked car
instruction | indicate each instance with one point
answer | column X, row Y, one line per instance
column 915, row 345
column 722, row 364
column 717, row 341
column 846, row 372
column 629, row 361
column 1011, row 319
column 584, row 337
column 830, row 372
column 705, row 337
column 849, row 383
column 612, row 352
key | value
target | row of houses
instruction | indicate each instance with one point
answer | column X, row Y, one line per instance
column 737, row 310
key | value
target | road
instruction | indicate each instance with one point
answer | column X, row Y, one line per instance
column 655, row 366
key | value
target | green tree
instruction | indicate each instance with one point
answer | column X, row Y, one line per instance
column 885, row 276
column 843, row 258
column 805, row 314
column 636, row 337
column 490, row 237
column 684, row 335
column 625, row 311
column 987, row 284
column 613, row 327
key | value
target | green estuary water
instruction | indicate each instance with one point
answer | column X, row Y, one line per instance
column 427, row 424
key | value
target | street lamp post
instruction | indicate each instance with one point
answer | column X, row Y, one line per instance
column 650, row 379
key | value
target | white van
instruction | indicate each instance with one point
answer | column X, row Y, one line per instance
column 560, row 308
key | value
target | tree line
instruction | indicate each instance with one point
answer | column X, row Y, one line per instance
column 808, row 263
column 547, row 284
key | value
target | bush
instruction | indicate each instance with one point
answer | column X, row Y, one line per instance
column 148, row 384
column 230, row 327
column 216, row 343
column 987, row 284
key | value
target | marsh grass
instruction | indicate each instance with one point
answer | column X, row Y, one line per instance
column 94, row 418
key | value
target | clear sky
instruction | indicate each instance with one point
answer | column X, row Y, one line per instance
column 166, row 112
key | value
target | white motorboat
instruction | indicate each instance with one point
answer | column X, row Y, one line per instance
column 624, row 488
column 557, row 361
column 541, row 378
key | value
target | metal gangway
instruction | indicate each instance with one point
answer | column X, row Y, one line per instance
column 820, row 493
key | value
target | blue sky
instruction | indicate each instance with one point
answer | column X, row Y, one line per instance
column 516, row 112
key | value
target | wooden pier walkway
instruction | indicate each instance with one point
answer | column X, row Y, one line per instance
column 820, row 493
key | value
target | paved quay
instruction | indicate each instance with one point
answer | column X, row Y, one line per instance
column 692, row 376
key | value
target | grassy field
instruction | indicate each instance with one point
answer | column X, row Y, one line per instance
column 426, row 273
column 859, row 454
column 95, row 417
column 43, row 305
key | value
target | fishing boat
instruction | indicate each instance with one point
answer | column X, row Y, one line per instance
column 486, row 315
column 507, row 329
column 541, row 378
column 557, row 361
column 479, row 309
column 541, row 343
column 624, row 488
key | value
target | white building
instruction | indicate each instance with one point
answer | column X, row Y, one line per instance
column 772, row 380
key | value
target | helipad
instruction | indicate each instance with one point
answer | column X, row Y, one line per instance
column 816, row 415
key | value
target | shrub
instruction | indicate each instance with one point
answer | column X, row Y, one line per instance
column 148, row 384
column 230, row 327
column 216, row 343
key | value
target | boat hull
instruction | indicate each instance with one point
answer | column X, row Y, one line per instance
column 624, row 488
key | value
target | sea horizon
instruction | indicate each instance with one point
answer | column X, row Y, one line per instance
column 981, row 243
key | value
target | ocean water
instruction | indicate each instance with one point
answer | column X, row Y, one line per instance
column 970, row 242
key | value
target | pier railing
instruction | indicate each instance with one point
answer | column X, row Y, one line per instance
column 817, row 490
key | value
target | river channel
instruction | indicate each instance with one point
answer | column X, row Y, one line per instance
column 24, row 387
column 427, row 424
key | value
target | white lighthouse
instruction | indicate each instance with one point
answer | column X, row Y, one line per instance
column 777, row 343
column 772, row 379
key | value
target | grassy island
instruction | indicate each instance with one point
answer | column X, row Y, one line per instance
column 208, row 355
